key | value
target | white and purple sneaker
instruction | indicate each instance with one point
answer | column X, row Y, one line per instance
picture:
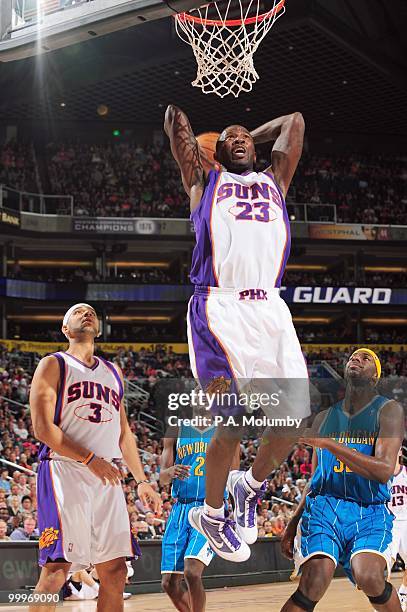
column 221, row 535
column 246, row 501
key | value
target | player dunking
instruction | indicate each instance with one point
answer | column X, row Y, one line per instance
column 185, row 551
column 239, row 329
column 78, row 415
column 398, row 506
column 343, row 517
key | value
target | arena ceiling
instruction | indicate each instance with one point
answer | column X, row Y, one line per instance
column 343, row 63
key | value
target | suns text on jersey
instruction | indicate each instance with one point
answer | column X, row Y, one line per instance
column 93, row 390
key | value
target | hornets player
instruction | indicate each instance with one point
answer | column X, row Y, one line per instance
column 185, row 551
column 240, row 332
column 398, row 506
column 343, row 517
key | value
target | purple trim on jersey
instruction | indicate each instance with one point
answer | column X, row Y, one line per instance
column 93, row 367
column 287, row 247
column 202, row 272
column 210, row 356
column 116, row 375
column 48, row 516
column 44, row 449
column 61, row 389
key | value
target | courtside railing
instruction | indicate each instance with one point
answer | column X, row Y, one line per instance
column 63, row 205
column 39, row 203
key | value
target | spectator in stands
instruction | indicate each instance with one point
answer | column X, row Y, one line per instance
column 28, row 532
column 27, row 505
column 154, row 526
column 4, row 513
column 3, row 531
column 14, row 505
column 140, row 530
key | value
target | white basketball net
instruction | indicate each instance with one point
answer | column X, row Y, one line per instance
column 224, row 46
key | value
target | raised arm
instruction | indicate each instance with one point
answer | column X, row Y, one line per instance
column 185, row 150
column 288, row 133
column 380, row 466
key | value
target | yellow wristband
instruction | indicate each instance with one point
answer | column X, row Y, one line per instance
column 88, row 459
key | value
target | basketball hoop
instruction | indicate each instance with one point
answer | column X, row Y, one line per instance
column 224, row 47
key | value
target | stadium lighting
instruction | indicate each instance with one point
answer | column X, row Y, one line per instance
column 314, row 267
column 385, row 321
column 51, row 263
column 138, row 264
column 309, row 320
column 391, row 269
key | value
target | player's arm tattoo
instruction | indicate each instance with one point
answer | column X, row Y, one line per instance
column 288, row 133
column 185, row 148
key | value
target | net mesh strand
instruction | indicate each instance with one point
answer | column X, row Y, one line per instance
column 224, row 53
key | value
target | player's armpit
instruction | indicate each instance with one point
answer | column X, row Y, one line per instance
column 185, row 150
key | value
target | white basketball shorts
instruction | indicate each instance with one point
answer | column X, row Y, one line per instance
column 81, row 520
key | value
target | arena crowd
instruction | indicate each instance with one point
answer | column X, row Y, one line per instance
column 125, row 179
column 18, row 510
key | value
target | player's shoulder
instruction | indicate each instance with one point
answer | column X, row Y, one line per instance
column 111, row 365
column 51, row 361
column 390, row 407
column 49, row 369
column 320, row 419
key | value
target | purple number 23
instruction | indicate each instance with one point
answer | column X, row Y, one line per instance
column 248, row 213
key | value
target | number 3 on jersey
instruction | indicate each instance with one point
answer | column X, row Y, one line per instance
column 200, row 462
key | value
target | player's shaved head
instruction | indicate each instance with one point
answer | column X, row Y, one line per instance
column 227, row 130
column 227, row 149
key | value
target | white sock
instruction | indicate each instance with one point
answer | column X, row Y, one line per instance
column 403, row 589
column 214, row 512
column 250, row 479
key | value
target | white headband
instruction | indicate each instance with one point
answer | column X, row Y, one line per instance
column 71, row 309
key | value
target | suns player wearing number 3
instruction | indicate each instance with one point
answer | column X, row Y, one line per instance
column 78, row 415
column 239, row 329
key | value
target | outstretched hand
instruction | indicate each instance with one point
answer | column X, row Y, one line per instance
column 149, row 497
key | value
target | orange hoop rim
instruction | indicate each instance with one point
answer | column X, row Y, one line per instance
column 230, row 22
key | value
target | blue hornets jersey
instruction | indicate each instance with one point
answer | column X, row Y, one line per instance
column 358, row 431
column 191, row 450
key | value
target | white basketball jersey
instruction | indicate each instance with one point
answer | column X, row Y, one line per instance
column 242, row 232
column 88, row 405
column 398, row 502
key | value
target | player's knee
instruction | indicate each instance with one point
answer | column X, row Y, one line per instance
column 113, row 576
column 52, row 581
column 192, row 575
column 370, row 582
column 316, row 577
column 168, row 585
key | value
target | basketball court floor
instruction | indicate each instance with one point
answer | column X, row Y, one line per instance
column 341, row 596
